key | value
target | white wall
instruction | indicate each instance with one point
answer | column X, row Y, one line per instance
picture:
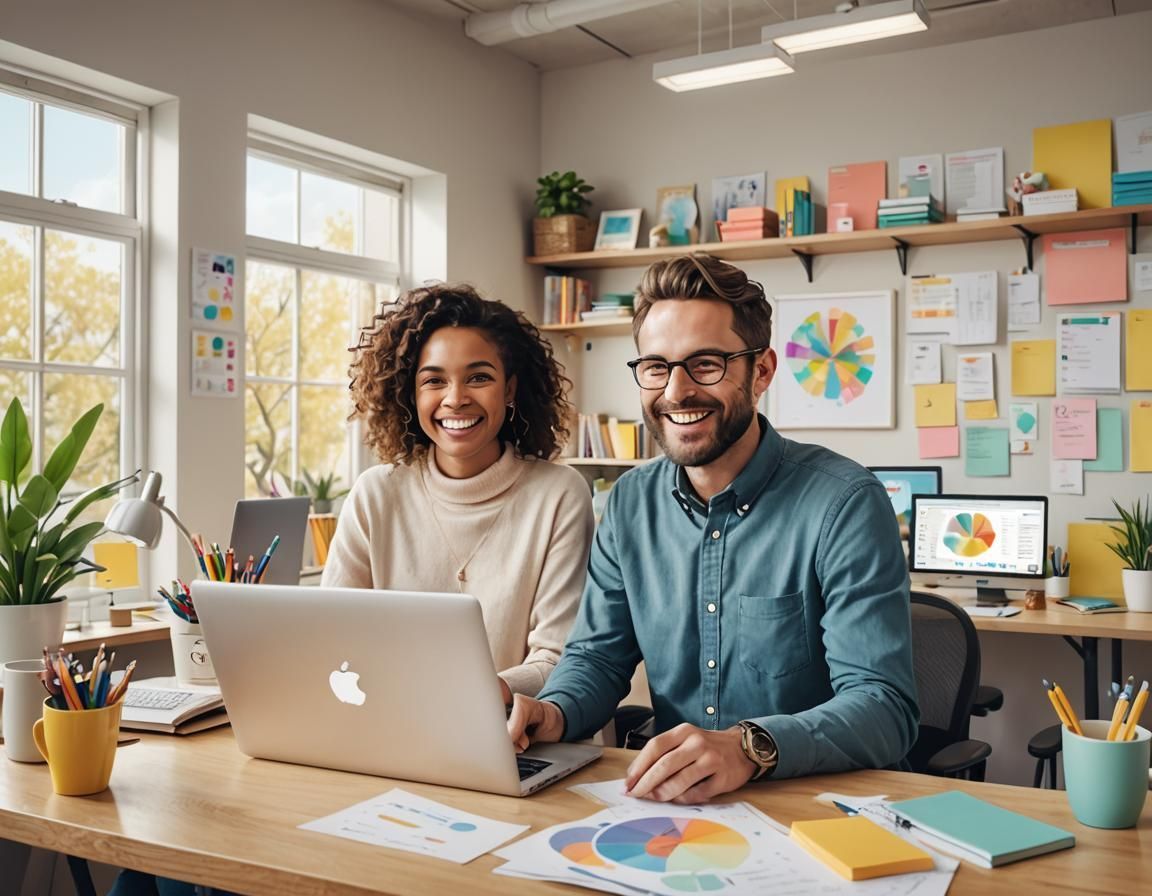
column 629, row 136
column 356, row 71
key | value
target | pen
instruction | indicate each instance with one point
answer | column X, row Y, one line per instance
column 266, row 558
column 1134, row 715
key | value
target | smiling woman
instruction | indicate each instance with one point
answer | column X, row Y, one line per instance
column 465, row 405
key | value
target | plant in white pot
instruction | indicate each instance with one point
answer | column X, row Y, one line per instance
column 1134, row 547
column 42, row 537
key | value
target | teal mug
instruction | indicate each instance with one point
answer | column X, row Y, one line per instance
column 1107, row 781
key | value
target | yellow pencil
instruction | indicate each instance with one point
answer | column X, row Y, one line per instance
column 1134, row 713
column 1117, row 717
column 1059, row 709
column 1073, row 722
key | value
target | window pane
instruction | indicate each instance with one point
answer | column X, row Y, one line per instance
column 15, row 291
column 267, row 436
column 16, row 384
column 15, row 144
column 271, row 200
column 324, row 431
column 328, row 309
column 82, row 299
column 381, row 233
column 82, row 160
column 329, row 213
column 269, row 308
column 66, row 397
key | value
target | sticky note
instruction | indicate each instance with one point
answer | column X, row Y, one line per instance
column 939, row 441
column 981, row 410
column 1138, row 357
column 1074, row 428
column 1034, row 367
column 986, row 451
column 936, row 405
column 1109, row 442
column 119, row 561
column 1140, row 437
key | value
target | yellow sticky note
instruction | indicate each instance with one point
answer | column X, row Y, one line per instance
column 1138, row 359
column 1034, row 367
column 936, row 405
column 119, row 560
column 1093, row 570
column 981, row 410
column 1140, row 437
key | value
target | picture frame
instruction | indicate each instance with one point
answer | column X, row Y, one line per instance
column 677, row 211
column 618, row 229
column 736, row 191
column 846, row 382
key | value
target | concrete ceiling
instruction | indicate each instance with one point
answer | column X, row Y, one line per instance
column 671, row 29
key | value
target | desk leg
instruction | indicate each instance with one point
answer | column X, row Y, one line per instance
column 1088, row 649
column 1117, row 660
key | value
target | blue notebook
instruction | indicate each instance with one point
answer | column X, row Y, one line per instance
column 997, row 835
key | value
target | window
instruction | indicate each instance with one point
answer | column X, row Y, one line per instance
column 323, row 253
column 69, row 245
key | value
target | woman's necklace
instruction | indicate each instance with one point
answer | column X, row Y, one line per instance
column 461, row 567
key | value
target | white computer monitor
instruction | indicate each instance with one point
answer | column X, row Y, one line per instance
column 987, row 542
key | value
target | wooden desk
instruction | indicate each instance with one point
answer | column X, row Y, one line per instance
column 94, row 634
column 196, row 809
column 1069, row 624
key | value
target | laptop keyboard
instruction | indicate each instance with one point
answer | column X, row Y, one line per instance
column 149, row 698
column 529, row 767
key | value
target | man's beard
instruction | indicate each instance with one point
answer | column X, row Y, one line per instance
column 732, row 424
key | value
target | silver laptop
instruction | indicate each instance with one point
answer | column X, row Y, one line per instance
column 391, row 683
column 257, row 521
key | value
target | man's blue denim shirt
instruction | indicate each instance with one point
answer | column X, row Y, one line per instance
column 784, row 600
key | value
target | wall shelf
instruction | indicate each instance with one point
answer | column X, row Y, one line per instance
column 602, row 461
column 622, row 327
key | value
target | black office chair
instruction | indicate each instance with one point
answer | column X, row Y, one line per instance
column 946, row 660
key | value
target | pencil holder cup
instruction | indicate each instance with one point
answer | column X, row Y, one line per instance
column 1107, row 781
column 190, row 658
column 79, row 746
column 1056, row 586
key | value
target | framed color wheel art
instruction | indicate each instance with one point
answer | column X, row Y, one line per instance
column 834, row 357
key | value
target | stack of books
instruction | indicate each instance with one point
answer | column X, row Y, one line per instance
column 1131, row 187
column 604, row 436
column 980, row 214
column 611, row 306
column 1050, row 202
column 565, row 298
column 909, row 210
column 748, row 224
column 807, row 216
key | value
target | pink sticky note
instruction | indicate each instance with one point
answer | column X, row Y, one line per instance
column 1074, row 428
column 939, row 441
column 1087, row 266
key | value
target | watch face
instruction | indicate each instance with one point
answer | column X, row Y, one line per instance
column 763, row 746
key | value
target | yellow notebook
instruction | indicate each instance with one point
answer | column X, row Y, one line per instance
column 858, row 848
column 1077, row 156
column 1093, row 570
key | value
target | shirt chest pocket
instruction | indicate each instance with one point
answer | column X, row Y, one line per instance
column 773, row 635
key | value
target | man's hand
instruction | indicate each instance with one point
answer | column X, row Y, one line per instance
column 689, row 765
column 532, row 721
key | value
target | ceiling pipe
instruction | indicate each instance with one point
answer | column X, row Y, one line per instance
column 530, row 19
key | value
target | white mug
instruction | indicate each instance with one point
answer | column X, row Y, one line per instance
column 190, row 654
column 1056, row 586
column 23, row 704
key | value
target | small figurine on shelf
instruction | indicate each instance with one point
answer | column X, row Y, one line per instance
column 659, row 236
column 1025, row 182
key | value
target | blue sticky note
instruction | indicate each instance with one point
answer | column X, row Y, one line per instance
column 986, row 451
column 1109, row 442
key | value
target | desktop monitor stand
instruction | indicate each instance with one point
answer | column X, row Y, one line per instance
column 991, row 597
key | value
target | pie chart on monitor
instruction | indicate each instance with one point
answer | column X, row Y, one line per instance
column 969, row 534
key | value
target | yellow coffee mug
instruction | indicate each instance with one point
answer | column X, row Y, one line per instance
column 79, row 746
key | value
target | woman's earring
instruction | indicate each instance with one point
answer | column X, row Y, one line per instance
column 512, row 415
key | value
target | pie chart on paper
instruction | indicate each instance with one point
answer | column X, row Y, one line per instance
column 662, row 844
column 969, row 534
column 832, row 358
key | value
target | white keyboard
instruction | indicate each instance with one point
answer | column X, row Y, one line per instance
column 155, row 698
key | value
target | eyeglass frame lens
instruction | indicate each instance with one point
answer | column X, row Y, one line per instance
column 724, row 358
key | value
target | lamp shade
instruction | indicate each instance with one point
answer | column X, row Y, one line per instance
column 722, row 67
column 838, row 29
column 139, row 519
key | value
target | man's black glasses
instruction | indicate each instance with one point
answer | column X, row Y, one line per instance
column 706, row 368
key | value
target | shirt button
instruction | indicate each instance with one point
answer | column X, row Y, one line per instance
column 745, row 508
column 715, row 534
column 711, row 608
column 711, row 710
column 711, row 664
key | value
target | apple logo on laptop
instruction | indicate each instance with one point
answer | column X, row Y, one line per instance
column 344, row 686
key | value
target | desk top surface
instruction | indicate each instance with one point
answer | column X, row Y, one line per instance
column 197, row 809
column 1055, row 620
column 94, row 634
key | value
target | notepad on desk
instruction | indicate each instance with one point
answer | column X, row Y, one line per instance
column 859, row 849
column 1091, row 604
column 982, row 832
column 163, row 705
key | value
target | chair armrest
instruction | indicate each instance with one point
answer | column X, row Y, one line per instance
column 958, row 757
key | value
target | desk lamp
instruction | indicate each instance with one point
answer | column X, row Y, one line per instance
column 139, row 520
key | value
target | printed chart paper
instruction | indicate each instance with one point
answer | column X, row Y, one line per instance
column 974, row 179
column 923, row 365
column 960, row 307
column 214, row 289
column 214, row 360
column 1074, row 429
column 1023, row 301
column 975, row 377
column 1089, row 352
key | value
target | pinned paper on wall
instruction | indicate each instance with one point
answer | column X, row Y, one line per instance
column 1109, row 442
column 986, row 451
column 923, row 365
column 1086, row 266
column 1140, row 437
column 121, row 569
column 975, row 377
column 981, row 410
column 1025, row 426
column 214, row 289
column 1023, row 300
column 939, row 441
column 1066, row 476
column 1142, row 272
column 1138, row 360
column 961, row 307
column 1034, row 367
column 936, row 405
column 1074, row 429
column 1089, row 352
column 214, row 365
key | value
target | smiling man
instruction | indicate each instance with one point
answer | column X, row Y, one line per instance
column 761, row 580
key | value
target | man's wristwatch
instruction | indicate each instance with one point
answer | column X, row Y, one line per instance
column 758, row 746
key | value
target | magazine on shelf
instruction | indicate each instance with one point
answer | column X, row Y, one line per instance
column 162, row 704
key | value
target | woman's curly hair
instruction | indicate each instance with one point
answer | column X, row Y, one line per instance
column 383, row 372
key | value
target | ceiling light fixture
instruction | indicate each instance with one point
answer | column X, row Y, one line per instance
column 851, row 24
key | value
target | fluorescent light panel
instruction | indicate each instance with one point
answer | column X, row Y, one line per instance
column 722, row 67
column 839, row 29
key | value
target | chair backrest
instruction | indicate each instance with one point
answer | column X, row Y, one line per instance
column 946, row 661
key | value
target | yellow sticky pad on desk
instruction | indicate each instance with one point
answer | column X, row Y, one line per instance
column 859, row 849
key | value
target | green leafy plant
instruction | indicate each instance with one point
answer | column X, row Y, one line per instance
column 323, row 488
column 562, row 194
column 41, row 543
column 1135, row 545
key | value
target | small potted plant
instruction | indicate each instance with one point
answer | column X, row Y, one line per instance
column 1134, row 547
column 561, row 224
column 322, row 490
